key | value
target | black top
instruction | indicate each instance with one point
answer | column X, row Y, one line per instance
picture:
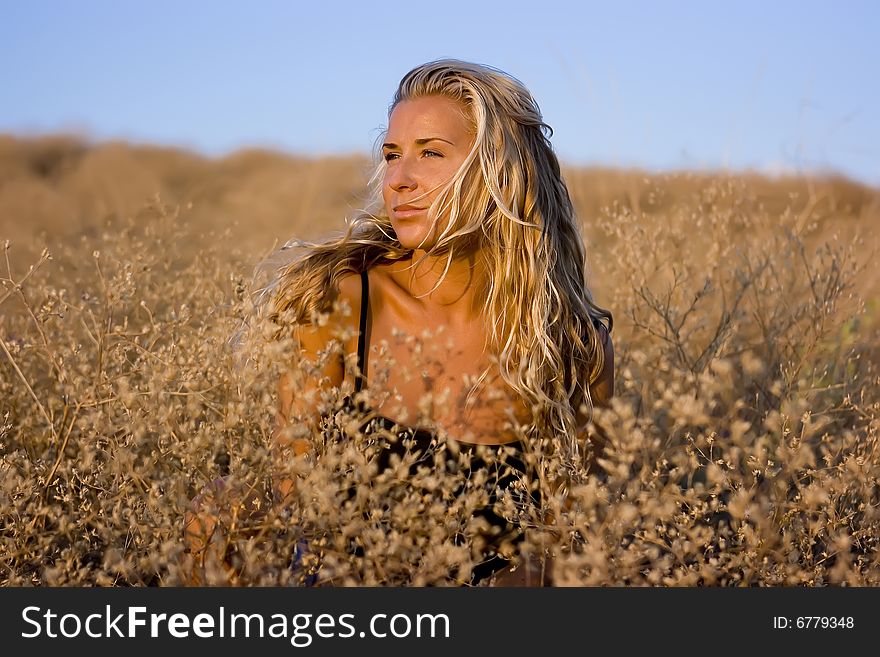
column 504, row 463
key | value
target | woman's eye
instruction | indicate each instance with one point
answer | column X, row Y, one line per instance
column 427, row 153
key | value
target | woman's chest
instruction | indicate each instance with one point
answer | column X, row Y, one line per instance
column 429, row 373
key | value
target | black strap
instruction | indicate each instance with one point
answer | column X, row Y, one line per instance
column 362, row 335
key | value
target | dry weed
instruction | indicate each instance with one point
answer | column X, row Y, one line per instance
column 741, row 443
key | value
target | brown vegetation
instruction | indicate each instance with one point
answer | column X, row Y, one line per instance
column 742, row 437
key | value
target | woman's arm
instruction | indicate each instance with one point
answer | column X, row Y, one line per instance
column 534, row 572
column 218, row 506
column 602, row 389
column 298, row 400
column 298, row 414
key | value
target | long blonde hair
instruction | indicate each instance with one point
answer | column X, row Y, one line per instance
column 509, row 198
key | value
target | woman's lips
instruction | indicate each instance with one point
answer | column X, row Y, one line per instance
column 404, row 211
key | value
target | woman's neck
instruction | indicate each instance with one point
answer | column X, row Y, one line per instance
column 460, row 295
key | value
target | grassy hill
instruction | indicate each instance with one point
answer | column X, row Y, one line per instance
column 742, row 438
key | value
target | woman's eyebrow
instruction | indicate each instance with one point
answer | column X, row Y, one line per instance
column 419, row 142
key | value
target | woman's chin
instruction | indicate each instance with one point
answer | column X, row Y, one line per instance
column 412, row 240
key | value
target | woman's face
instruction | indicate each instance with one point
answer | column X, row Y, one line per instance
column 428, row 139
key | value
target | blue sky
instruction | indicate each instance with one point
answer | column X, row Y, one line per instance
column 773, row 86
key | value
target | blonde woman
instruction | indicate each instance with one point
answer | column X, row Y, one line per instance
column 470, row 319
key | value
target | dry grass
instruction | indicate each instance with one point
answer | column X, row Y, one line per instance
column 743, row 434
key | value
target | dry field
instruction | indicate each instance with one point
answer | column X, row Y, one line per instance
column 742, row 438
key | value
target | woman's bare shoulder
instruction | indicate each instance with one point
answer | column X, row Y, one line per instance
column 348, row 297
column 339, row 323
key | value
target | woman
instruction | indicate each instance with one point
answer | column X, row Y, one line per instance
column 466, row 289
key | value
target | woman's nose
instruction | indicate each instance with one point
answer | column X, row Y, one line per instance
column 400, row 176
